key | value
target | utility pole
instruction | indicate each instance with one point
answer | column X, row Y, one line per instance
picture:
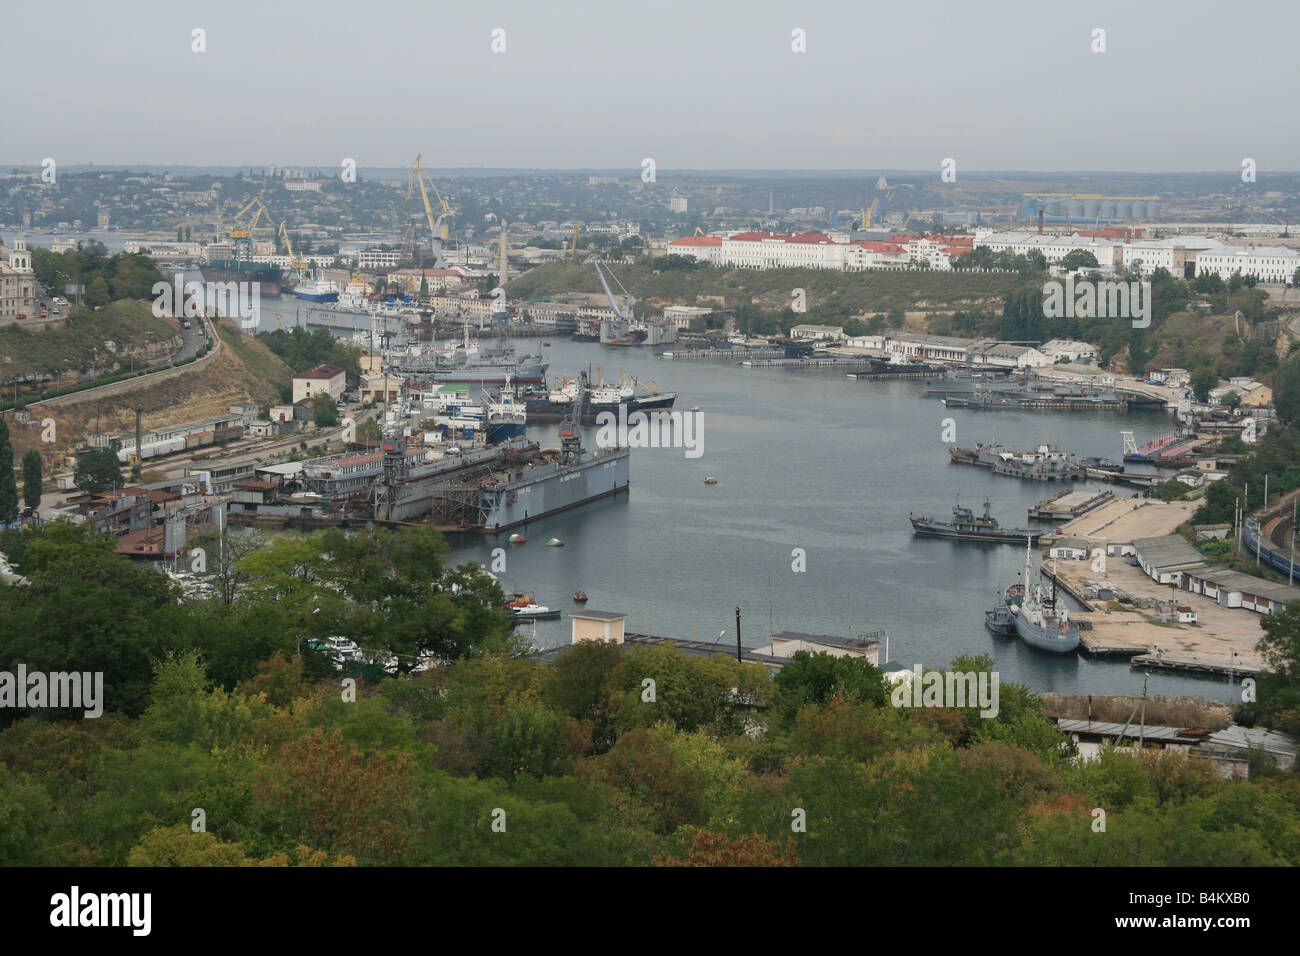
column 737, row 633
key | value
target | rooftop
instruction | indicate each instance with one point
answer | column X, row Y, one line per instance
column 321, row 371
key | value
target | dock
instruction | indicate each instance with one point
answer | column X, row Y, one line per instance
column 864, row 364
column 1067, row 505
column 1217, row 665
column 736, row 355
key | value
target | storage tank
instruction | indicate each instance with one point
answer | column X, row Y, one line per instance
column 1107, row 209
column 1123, row 209
column 1092, row 209
column 1075, row 209
column 1153, row 210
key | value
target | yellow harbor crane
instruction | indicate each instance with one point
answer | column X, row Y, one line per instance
column 242, row 232
column 297, row 267
column 439, row 227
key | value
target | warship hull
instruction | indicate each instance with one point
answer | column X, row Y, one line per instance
column 1057, row 640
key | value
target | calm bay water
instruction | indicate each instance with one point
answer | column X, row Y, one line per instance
column 811, row 460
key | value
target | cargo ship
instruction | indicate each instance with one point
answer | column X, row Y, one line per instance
column 269, row 278
column 968, row 526
column 317, row 290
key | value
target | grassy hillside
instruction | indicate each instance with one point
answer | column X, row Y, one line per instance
column 876, row 291
column 79, row 342
column 262, row 365
column 244, row 371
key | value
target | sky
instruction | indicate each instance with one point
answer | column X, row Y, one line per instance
column 1183, row 85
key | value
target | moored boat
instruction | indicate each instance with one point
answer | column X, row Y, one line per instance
column 966, row 525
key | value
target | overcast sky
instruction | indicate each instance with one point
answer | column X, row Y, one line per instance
column 1183, row 85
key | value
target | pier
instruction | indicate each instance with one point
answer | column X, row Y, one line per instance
column 736, row 355
column 1066, row 505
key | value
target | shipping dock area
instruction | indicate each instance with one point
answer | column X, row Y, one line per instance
column 1066, row 505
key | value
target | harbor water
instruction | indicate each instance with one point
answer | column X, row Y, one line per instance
column 814, row 470
column 810, row 462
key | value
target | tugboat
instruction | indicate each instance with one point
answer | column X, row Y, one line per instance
column 1001, row 620
column 967, row 526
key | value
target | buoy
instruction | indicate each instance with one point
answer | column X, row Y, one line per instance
column 516, row 539
column 710, row 481
column 555, row 543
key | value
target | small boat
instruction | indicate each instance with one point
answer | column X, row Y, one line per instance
column 710, row 480
column 516, row 539
column 555, row 543
column 546, row 345
column 534, row 612
column 579, row 597
column 695, row 408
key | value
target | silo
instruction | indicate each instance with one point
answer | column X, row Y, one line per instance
column 1108, row 209
column 1123, row 209
column 1092, row 209
column 1075, row 209
column 1030, row 209
column 1054, row 207
column 1153, row 210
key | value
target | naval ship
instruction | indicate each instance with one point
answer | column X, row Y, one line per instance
column 1038, row 621
column 1042, row 464
column 968, row 526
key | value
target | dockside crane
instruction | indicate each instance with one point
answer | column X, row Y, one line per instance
column 439, row 228
column 298, row 268
column 242, row 232
column 622, row 306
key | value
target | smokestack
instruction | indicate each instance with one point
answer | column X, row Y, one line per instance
column 1040, row 222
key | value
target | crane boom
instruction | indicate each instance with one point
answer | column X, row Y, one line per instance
column 623, row 311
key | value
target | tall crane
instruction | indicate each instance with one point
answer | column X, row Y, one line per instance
column 242, row 232
column 439, row 229
column 297, row 267
column 622, row 306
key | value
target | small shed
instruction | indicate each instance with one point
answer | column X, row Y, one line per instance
column 606, row 626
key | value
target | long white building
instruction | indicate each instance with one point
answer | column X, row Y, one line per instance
column 767, row 250
column 1265, row 263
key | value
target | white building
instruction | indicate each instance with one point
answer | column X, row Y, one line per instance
column 837, row 251
column 1009, row 356
column 677, row 204
column 17, row 282
column 1265, row 263
column 1172, row 254
column 681, row 315
column 1069, row 350
column 378, row 259
column 1108, row 252
column 322, row 378
column 822, row 332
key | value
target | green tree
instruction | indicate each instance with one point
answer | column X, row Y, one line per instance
column 32, row 478
column 324, row 410
column 1203, row 379
column 1286, row 390
column 8, row 486
column 98, row 470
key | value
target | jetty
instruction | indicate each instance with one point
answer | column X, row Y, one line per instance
column 1066, row 505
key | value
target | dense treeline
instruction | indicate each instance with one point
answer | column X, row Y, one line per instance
column 300, row 350
column 107, row 278
column 602, row 757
